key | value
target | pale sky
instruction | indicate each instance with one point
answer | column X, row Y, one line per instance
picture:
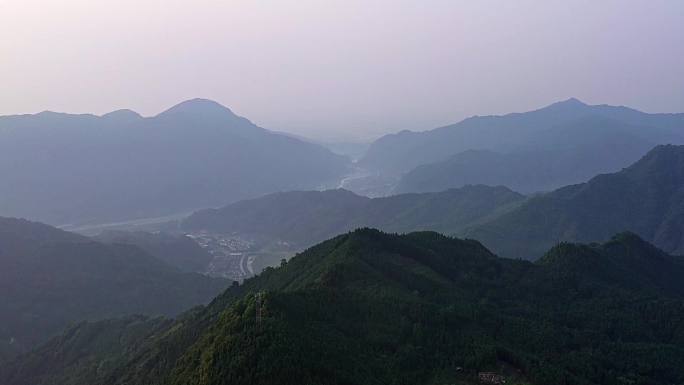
column 340, row 69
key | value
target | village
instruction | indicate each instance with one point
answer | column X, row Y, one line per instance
column 233, row 255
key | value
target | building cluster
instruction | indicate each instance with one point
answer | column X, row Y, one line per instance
column 231, row 255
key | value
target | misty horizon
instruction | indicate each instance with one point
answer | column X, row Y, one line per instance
column 352, row 139
column 340, row 70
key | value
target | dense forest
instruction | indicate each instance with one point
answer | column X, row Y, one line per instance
column 374, row 308
column 645, row 198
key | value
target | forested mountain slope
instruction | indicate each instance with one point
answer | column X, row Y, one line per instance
column 50, row 278
column 307, row 217
column 372, row 308
column 646, row 198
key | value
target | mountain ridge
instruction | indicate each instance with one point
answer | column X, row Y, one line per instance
column 642, row 198
column 373, row 308
column 51, row 278
column 395, row 154
column 307, row 217
column 565, row 154
column 196, row 154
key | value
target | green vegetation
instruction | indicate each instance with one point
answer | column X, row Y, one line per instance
column 373, row 308
column 644, row 198
column 304, row 218
column 86, row 350
column 50, row 278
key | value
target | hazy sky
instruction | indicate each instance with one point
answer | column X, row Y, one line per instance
column 340, row 69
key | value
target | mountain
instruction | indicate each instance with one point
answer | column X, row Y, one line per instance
column 196, row 154
column 646, row 198
column 568, row 155
column 373, row 308
column 569, row 140
column 304, row 218
column 50, row 278
column 177, row 250
column 626, row 261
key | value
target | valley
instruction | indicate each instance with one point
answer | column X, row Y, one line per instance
column 231, row 255
column 308, row 274
column 341, row 192
column 370, row 183
column 237, row 258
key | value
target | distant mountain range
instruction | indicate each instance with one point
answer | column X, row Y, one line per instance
column 50, row 278
column 400, row 304
column 646, row 198
column 304, row 218
column 569, row 155
column 372, row 308
column 565, row 143
column 76, row 169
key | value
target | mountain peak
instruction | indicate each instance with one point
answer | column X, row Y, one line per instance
column 569, row 103
column 199, row 107
column 123, row 114
column 631, row 243
column 666, row 150
column 566, row 254
column 573, row 101
column 664, row 161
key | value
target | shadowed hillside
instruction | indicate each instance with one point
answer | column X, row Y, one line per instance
column 645, row 198
column 51, row 278
column 176, row 250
